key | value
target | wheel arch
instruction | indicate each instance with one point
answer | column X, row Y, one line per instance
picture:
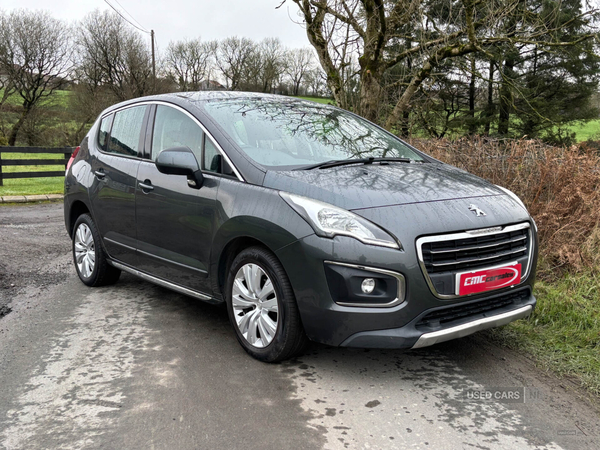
column 76, row 209
column 238, row 234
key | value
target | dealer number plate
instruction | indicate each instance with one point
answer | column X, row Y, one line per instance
column 488, row 279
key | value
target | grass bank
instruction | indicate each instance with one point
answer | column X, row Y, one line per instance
column 563, row 334
column 561, row 188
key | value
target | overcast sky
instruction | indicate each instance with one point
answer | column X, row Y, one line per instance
column 179, row 19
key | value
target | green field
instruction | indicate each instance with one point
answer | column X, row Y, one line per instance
column 58, row 98
column 587, row 131
column 325, row 101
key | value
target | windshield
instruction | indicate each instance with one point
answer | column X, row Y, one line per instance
column 284, row 134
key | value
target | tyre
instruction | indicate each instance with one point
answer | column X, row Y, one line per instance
column 89, row 256
column 262, row 307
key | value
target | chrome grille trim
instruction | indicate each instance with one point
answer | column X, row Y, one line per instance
column 466, row 249
column 470, row 235
column 501, row 255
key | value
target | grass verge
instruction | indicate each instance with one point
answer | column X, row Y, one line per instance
column 563, row 334
column 33, row 186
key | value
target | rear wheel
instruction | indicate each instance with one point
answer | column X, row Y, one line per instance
column 88, row 255
column 262, row 307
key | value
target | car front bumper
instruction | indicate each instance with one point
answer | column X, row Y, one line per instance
column 484, row 323
column 401, row 325
column 410, row 337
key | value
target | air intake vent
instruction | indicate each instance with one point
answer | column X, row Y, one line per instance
column 445, row 316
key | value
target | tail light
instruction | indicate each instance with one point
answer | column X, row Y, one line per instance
column 72, row 158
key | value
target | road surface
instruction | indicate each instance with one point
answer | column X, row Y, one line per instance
column 135, row 366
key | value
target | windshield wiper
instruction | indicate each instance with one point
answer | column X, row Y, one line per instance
column 345, row 162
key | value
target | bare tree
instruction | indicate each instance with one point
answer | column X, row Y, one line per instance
column 235, row 59
column 190, row 62
column 6, row 86
column 316, row 82
column 299, row 63
column 114, row 56
column 35, row 54
column 271, row 55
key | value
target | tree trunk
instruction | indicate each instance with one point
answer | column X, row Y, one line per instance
column 412, row 88
column 404, row 129
column 314, row 32
column 506, row 97
column 490, row 99
column 472, row 124
column 506, row 92
column 12, row 138
column 370, row 95
column 402, row 105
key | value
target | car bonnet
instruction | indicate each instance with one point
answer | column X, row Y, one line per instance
column 376, row 185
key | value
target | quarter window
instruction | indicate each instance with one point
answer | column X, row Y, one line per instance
column 126, row 129
column 172, row 128
column 212, row 158
column 104, row 130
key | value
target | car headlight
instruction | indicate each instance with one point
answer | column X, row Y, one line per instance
column 328, row 221
column 513, row 196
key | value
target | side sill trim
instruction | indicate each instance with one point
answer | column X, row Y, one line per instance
column 466, row 329
column 170, row 261
column 163, row 283
column 120, row 244
column 160, row 258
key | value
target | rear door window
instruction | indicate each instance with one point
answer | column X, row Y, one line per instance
column 126, row 130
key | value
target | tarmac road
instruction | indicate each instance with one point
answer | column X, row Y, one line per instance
column 135, row 366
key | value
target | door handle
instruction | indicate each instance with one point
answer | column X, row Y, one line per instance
column 99, row 174
column 146, row 186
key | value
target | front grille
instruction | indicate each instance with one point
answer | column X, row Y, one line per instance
column 459, row 255
column 444, row 316
column 444, row 256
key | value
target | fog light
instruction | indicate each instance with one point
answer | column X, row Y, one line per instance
column 368, row 285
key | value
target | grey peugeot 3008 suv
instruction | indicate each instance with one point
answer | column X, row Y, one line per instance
column 307, row 221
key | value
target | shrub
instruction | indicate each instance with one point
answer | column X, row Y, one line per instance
column 559, row 186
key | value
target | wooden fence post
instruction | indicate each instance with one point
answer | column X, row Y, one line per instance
column 1, row 182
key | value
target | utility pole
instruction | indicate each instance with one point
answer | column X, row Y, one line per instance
column 153, row 60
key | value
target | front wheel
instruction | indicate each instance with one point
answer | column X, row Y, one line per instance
column 262, row 307
column 89, row 256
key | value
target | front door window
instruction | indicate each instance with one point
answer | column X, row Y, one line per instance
column 172, row 128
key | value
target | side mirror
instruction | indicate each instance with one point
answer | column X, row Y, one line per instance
column 180, row 161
